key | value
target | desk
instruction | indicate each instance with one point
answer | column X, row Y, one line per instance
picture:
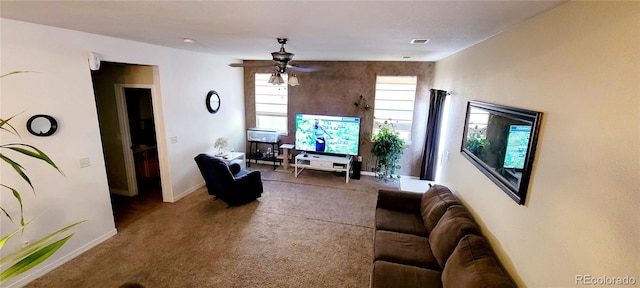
column 256, row 157
column 231, row 156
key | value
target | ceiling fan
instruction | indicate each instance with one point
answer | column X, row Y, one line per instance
column 281, row 61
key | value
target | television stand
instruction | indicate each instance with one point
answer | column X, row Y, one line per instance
column 323, row 162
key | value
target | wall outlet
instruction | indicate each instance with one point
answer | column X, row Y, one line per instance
column 174, row 139
column 85, row 162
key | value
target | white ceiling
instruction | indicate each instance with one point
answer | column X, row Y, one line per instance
column 317, row 30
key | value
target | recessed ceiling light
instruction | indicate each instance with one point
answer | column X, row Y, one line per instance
column 419, row 41
column 188, row 40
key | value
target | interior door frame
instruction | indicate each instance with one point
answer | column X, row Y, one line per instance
column 125, row 138
column 125, row 134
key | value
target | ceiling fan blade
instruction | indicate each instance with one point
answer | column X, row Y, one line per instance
column 305, row 69
column 250, row 64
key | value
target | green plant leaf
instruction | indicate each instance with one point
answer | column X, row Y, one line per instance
column 4, row 239
column 16, row 194
column 32, row 255
column 33, row 259
column 6, row 122
column 14, row 72
column 19, row 169
column 36, row 153
column 6, row 214
column 35, row 245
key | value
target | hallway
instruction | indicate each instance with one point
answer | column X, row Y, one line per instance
column 126, row 209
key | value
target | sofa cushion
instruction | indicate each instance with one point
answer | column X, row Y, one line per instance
column 399, row 200
column 403, row 249
column 434, row 203
column 454, row 224
column 398, row 221
column 393, row 275
column 472, row 264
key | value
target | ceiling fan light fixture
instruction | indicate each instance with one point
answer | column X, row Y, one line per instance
column 279, row 80
column 276, row 79
column 281, row 60
column 293, row 80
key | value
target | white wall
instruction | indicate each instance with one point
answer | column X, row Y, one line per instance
column 62, row 88
column 579, row 64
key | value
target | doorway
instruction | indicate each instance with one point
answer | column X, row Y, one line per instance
column 124, row 100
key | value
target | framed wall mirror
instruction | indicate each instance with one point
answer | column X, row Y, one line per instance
column 213, row 102
column 42, row 125
column 501, row 142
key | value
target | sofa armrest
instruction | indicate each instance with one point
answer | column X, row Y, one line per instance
column 247, row 188
column 399, row 200
column 235, row 168
column 250, row 177
column 473, row 264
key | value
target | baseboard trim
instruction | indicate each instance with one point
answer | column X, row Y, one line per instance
column 64, row 259
column 187, row 192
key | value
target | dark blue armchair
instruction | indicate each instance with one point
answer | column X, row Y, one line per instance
column 230, row 183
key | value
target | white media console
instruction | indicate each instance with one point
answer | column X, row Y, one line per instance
column 323, row 162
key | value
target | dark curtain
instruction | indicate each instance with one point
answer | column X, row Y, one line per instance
column 430, row 155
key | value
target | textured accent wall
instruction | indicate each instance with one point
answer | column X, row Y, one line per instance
column 334, row 89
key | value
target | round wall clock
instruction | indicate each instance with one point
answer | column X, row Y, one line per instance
column 213, row 102
column 42, row 125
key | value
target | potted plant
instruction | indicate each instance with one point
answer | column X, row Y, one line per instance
column 387, row 147
column 222, row 144
column 476, row 141
column 28, row 256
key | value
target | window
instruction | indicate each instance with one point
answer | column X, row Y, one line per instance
column 271, row 103
column 395, row 96
column 478, row 120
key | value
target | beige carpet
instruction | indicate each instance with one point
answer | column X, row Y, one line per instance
column 310, row 231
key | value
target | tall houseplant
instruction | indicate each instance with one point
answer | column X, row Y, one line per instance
column 388, row 148
column 30, row 255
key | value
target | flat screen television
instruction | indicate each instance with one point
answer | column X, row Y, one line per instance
column 327, row 134
column 517, row 144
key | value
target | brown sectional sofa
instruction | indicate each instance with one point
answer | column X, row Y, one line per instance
column 430, row 240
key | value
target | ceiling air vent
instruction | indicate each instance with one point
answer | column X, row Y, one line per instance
column 419, row 41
